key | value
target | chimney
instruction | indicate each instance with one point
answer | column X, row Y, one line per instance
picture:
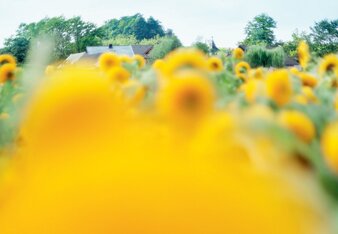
column 110, row 46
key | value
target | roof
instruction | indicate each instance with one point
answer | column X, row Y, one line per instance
column 290, row 62
column 142, row 49
column 73, row 58
column 121, row 50
column 94, row 52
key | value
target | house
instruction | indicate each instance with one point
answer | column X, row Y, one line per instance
column 93, row 53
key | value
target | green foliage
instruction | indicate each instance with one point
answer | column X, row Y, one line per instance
column 324, row 37
column 259, row 31
column 74, row 35
column 259, row 56
column 166, row 45
column 277, row 56
column 202, row 47
column 135, row 25
column 70, row 36
column 120, row 40
column 18, row 47
column 290, row 47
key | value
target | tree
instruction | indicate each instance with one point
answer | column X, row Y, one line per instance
column 324, row 36
column 135, row 25
column 202, row 47
column 290, row 47
column 260, row 31
column 18, row 47
column 83, row 33
column 166, row 45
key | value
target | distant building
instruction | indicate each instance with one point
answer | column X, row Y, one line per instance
column 93, row 53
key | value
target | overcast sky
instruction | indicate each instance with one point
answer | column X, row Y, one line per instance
column 190, row 19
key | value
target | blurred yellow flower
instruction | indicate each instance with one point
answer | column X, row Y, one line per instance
column 301, row 99
column 330, row 146
column 215, row 64
column 74, row 109
column 7, row 72
column 294, row 71
column 242, row 69
column 7, row 58
column 308, row 79
column 279, row 87
column 187, row 96
column 259, row 111
column 118, row 74
column 125, row 59
column 329, row 64
column 182, row 59
column 257, row 73
column 108, row 61
column 141, row 62
column 158, row 64
column 309, row 94
column 238, row 53
column 252, row 88
column 298, row 123
column 303, row 54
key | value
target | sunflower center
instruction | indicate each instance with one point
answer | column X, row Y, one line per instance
column 109, row 63
column 214, row 65
column 330, row 67
column 191, row 101
column 4, row 62
column 10, row 75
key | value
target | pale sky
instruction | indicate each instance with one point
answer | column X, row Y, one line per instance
column 223, row 20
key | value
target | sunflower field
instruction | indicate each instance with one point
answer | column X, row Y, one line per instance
column 188, row 144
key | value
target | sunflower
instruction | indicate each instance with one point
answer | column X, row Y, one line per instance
column 119, row 74
column 108, row 61
column 141, row 62
column 7, row 58
column 303, row 54
column 242, row 69
column 183, row 59
column 329, row 65
column 294, row 71
column 215, row 64
column 329, row 145
column 257, row 73
column 298, row 123
column 252, row 89
column 308, row 79
column 309, row 94
column 7, row 72
column 279, row 87
column 300, row 99
column 125, row 59
column 187, row 95
column 238, row 53
column 158, row 64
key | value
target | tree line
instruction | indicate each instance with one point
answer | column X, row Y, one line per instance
column 74, row 35
column 322, row 38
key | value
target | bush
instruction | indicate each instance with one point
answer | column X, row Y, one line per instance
column 258, row 56
column 166, row 45
column 277, row 56
column 202, row 47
